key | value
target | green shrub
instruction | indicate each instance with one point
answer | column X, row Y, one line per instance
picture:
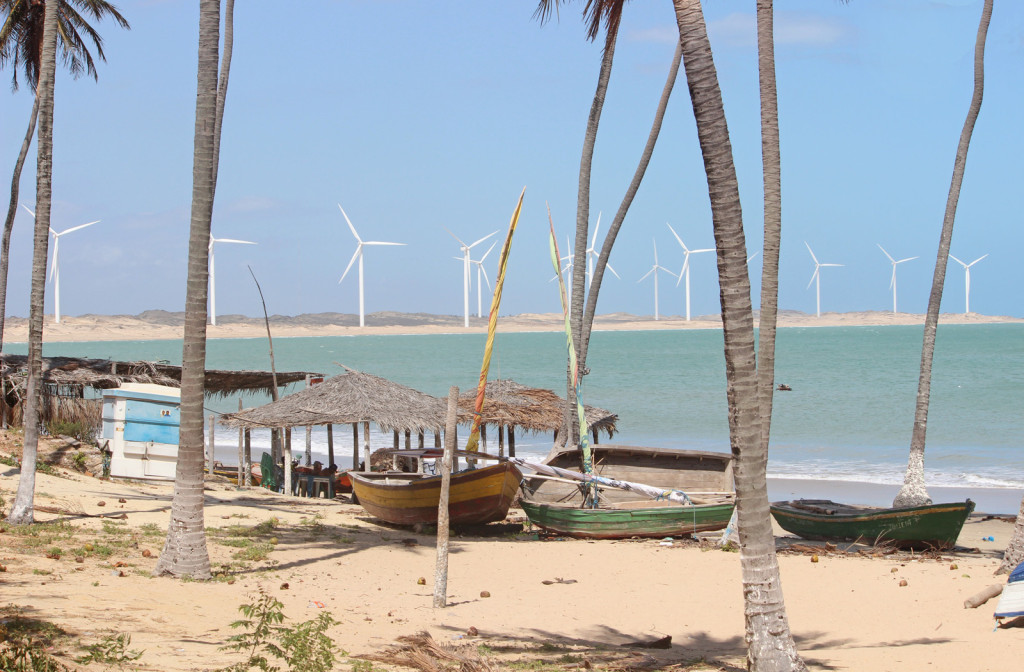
column 82, row 431
column 111, row 651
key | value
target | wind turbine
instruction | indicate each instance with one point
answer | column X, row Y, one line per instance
column 967, row 280
column 685, row 271
column 359, row 255
column 467, row 276
column 480, row 271
column 654, row 269
column 213, row 276
column 892, row 283
column 592, row 255
column 55, row 264
column 816, row 276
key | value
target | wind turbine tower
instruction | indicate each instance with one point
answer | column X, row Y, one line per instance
column 479, row 263
column 467, row 273
column 892, row 283
column 55, row 264
column 654, row 269
column 685, row 271
column 359, row 255
column 816, row 276
column 967, row 280
column 213, row 275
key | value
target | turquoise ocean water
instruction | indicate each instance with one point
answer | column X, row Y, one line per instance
column 848, row 418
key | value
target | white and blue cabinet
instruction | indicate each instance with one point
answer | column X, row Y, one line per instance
column 140, row 424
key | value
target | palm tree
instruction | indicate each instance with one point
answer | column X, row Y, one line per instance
column 22, row 510
column 185, row 552
column 1014, row 553
column 21, row 44
column 913, row 492
column 770, row 644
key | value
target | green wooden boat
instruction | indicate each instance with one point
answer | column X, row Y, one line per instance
column 557, row 505
column 920, row 527
column 624, row 520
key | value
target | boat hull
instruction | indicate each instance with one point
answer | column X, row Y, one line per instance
column 476, row 496
column 645, row 520
column 933, row 526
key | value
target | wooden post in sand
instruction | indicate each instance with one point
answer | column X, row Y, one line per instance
column 242, row 466
column 248, row 458
column 330, row 444
column 209, row 460
column 441, row 569
column 355, row 446
column 501, row 440
column 511, row 440
column 288, row 460
column 366, row 447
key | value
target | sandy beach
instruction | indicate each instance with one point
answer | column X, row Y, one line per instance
column 553, row 603
column 162, row 325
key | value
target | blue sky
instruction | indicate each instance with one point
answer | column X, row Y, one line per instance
column 419, row 116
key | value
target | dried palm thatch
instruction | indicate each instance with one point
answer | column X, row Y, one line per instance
column 508, row 403
column 421, row 652
column 65, row 380
column 351, row 397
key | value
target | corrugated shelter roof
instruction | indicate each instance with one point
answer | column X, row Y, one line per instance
column 507, row 402
column 353, row 396
column 105, row 374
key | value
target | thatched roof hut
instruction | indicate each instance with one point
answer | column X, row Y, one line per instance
column 511, row 404
column 351, row 397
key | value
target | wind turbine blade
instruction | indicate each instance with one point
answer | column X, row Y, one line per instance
column 655, row 252
column 829, row 264
column 486, row 279
column 464, row 246
column 680, row 240
column 907, row 259
column 813, row 276
column 359, row 249
column 812, row 255
column 481, row 260
column 644, row 276
column 708, row 249
column 977, row 260
column 609, row 267
column 751, row 257
column 29, row 211
column 892, row 283
column 682, row 271
column 958, row 261
column 593, row 240
column 232, row 240
column 483, row 239
column 349, row 222
column 886, row 253
column 76, row 228
column 378, row 242
column 53, row 262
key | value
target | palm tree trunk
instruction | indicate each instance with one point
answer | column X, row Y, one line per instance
column 185, row 552
column 222, row 86
column 771, row 168
column 770, row 645
column 579, row 275
column 23, row 508
column 1014, row 553
column 913, row 492
column 627, row 200
column 12, row 209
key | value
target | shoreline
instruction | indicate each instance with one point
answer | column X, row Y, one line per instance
column 162, row 326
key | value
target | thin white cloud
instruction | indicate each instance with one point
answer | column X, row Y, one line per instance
column 791, row 29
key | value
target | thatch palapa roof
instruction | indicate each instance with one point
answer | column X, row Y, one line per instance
column 507, row 402
column 353, row 396
column 102, row 374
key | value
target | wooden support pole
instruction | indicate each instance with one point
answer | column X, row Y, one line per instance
column 366, row 446
column 437, row 439
column 408, row 439
column 420, row 436
column 501, row 440
column 248, row 458
column 395, row 444
column 309, row 435
column 209, row 459
column 288, row 461
column 441, row 569
column 242, row 466
column 355, row 446
column 483, row 436
column 330, row 444
column 511, row 440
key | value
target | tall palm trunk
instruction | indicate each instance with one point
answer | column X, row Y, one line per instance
column 579, row 275
column 23, row 510
column 185, row 552
column 770, row 645
column 1014, row 553
column 12, row 209
column 627, row 200
column 913, row 492
column 772, row 174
